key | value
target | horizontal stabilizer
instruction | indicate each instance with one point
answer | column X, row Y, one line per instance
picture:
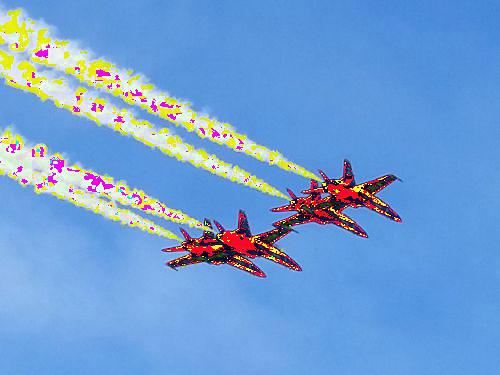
column 173, row 249
column 288, row 207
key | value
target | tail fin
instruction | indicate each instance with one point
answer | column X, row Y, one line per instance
column 243, row 223
column 314, row 188
column 186, row 235
column 292, row 194
column 219, row 226
column 325, row 177
column 348, row 176
column 208, row 224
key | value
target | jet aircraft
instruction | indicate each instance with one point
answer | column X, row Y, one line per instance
column 345, row 191
column 259, row 245
column 314, row 208
column 209, row 249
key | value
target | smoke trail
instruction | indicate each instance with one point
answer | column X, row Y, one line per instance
column 27, row 173
column 23, row 75
column 56, row 169
column 24, row 34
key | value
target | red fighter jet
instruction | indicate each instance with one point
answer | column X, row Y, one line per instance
column 345, row 191
column 259, row 245
column 209, row 249
column 314, row 208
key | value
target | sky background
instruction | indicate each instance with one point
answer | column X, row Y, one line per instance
column 396, row 87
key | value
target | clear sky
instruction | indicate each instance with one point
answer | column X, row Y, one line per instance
column 409, row 88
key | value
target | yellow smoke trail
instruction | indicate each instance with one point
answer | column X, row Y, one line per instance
column 56, row 168
column 21, row 169
column 24, row 34
column 23, row 75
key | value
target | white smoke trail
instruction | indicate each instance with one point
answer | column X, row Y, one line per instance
column 26, row 35
column 57, row 170
column 26, row 173
column 45, row 84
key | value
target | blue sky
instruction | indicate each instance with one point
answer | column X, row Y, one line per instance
column 403, row 88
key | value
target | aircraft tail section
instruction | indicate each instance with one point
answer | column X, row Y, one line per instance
column 286, row 208
column 348, row 176
column 173, row 249
column 186, row 235
column 243, row 223
column 208, row 233
column 314, row 189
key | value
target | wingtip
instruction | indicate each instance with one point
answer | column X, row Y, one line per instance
column 287, row 227
column 172, row 267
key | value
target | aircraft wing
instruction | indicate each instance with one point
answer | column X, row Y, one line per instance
column 343, row 221
column 374, row 186
column 273, row 235
column 183, row 261
column 245, row 265
column 275, row 255
column 293, row 220
column 378, row 205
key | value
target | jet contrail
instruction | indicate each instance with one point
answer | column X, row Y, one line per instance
column 26, row 35
column 23, row 75
column 57, row 170
column 22, row 170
